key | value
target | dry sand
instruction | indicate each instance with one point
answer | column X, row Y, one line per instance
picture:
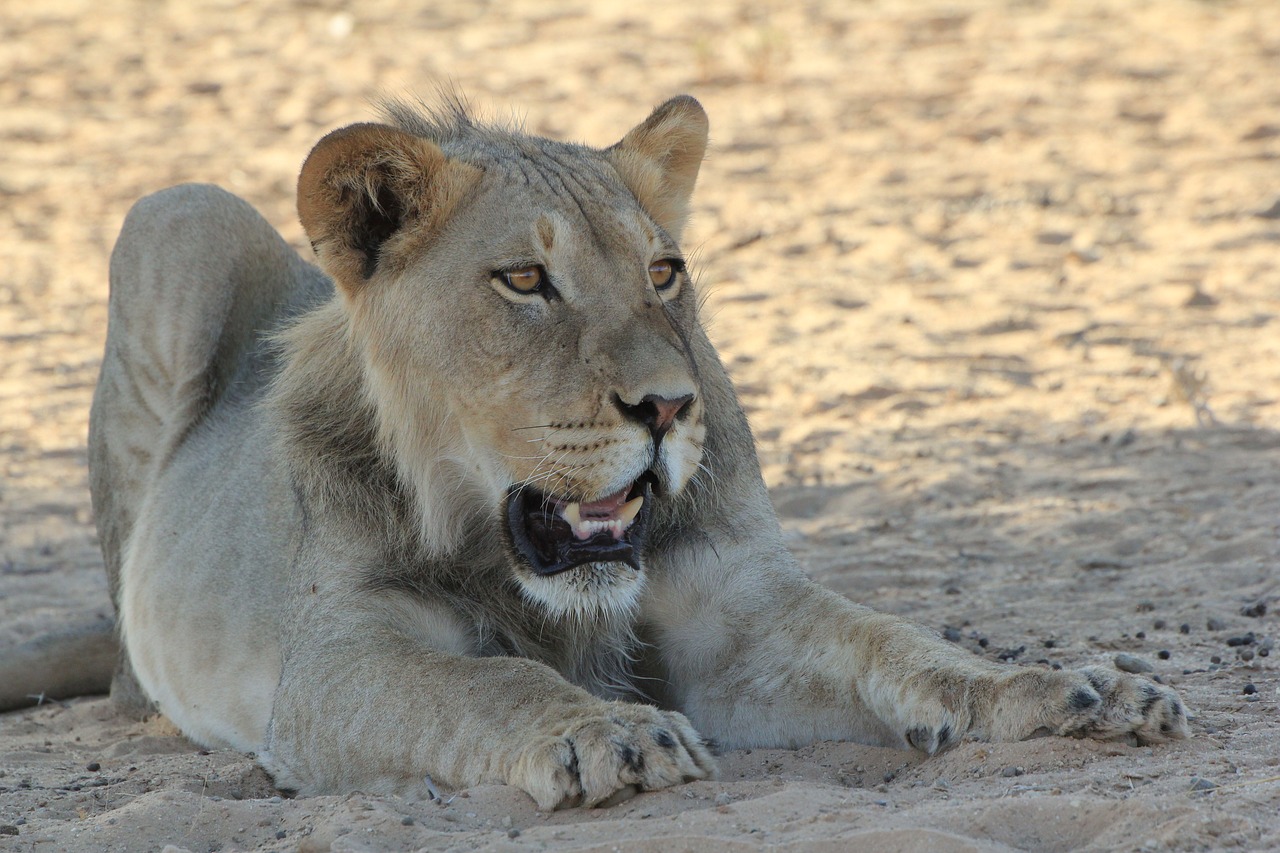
column 1000, row 287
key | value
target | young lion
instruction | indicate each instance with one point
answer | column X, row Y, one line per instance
column 443, row 511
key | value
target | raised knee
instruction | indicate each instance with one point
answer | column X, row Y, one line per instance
column 180, row 218
column 193, row 228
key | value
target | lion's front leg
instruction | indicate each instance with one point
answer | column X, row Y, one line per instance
column 767, row 658
column 367, row 706
column 933, row 694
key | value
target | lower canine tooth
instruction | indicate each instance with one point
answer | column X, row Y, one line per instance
column 628, row 511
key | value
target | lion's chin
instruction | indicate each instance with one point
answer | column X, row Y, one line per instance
column 588, row 593
column 552, row 535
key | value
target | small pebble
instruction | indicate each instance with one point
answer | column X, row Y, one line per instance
column 1245, row 655
column 1146, row 606
column 1216, row 659
column 723, row 799
column 1255, row 610
column 1215, row 624
column 1199, row 784
column 1243, row 640
column 1262, row 653
column 8, row 829
column 1159, row 624
column 513, row 833
column 1126, row 662
column 1141, row 635
column 1010, row 772
column 93, row 767
column 1050, row 644
column 1184, row 628
column 406, row 821
column 1250, row 689
column 280, row 834
column 1164, row 654
column 951, row 635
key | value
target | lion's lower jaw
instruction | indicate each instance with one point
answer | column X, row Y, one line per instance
column 591, row 592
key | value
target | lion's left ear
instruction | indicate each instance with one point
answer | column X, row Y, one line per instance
column 659, row 159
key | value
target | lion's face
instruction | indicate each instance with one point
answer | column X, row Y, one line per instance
column 528, row 325
column 556, row 336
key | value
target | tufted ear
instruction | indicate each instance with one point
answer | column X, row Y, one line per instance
column 659, row 159
column 368, row 192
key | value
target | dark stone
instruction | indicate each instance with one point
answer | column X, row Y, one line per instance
column 1126, row 662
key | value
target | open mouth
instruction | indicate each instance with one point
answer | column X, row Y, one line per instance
column 554, row 535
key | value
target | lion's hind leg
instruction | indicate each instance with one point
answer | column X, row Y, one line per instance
column 198, row 279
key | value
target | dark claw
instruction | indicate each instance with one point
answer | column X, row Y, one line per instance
column 630, row 757
column 921, row 738
column 572, row 766
column 1083, row 700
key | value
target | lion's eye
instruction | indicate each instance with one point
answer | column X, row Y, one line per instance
column 525, row 279
column 663, row 273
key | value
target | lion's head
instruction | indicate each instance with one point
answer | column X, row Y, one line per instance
column 522, row 311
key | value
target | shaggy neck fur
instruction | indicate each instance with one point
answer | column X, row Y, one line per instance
column 401, row 463
column 349, row 455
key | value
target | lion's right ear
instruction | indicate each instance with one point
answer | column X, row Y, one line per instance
column 368, row 191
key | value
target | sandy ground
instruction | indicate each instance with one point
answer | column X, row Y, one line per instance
column 999, row 284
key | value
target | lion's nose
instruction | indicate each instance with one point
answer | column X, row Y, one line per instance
column 655, row 412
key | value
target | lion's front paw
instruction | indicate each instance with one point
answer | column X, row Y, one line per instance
column 619, row 749
column 1015, row 703
column 1092, row 702
column 1131, row 704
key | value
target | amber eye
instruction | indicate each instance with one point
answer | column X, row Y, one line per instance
column 663, row 273
column 525, row 279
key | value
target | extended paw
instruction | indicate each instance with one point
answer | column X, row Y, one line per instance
column 1130, row 704
column 1091, row 702
column 601, row 757
column 1015, row 703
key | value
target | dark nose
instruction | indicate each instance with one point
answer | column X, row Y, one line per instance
column 656, row 413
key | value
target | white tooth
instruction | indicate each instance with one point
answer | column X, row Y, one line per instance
column 628, row 511
column 572, row 514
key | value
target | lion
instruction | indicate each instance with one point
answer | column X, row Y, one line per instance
column 474, row 501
